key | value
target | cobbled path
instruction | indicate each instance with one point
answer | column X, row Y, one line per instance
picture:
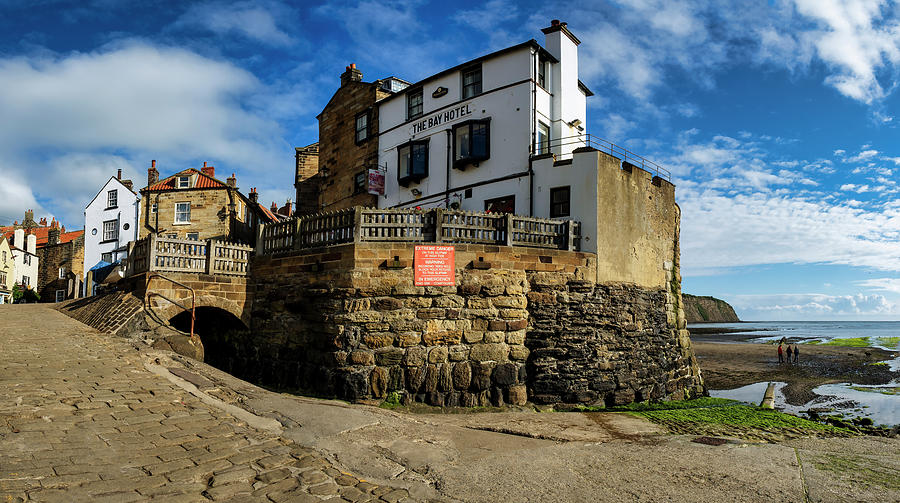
column 82, row 419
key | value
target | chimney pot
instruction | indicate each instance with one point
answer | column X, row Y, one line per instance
column 119, row 175
column 153, row 163
column 231, row 181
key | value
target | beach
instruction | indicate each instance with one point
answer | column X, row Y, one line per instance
column 728, row 362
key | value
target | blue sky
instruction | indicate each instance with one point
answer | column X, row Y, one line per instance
column 778, row 120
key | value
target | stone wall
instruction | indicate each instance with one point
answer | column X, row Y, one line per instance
column 306, row 180
column 211, row 215
column 338, row 151
column 50, row 258
column 109, row 313
column 520, row 324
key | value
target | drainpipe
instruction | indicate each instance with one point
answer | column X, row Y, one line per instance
column 534, row 60
column 449, row 160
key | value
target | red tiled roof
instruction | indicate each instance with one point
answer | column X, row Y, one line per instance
column 203, row 181
column 42, row 234
column 271, row 216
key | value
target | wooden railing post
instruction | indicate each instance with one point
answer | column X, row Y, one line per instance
column 357, row 224
column 438, row 225
column 259, row 238
column 570, row 235
column 210, row 255
column 297, row 229
column 151, row 252
column 509, row 229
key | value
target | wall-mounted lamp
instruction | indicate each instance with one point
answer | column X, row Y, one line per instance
column 416, row 192
column 576, row 124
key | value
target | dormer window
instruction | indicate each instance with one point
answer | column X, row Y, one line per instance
column 471, row 82
column 184, row 182
column 412, row 160
column 471, row 142
column 414, row 104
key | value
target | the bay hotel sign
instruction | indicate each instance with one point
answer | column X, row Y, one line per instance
column 440, row 118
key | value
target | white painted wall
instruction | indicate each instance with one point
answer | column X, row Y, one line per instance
column 514, row 103
column 581, row 178
column 126, row 213
column 26, row 261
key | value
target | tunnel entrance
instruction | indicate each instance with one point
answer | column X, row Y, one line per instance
column 224, row 337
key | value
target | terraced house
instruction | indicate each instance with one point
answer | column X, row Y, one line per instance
column 193, row 204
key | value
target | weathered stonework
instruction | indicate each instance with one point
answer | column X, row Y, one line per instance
column 521, row 324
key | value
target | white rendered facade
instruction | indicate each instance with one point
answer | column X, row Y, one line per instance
column 110, row 222
column 525, row 91
column 24, row 252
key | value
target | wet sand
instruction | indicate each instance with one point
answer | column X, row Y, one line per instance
column 727, row 364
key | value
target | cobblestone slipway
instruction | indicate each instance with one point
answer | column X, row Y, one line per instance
column 83, row 417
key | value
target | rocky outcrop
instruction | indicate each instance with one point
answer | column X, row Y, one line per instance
column 707, row 309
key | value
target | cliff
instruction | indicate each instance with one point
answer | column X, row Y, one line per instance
column 707, row 310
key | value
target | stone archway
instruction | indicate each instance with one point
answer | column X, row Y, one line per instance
column 223, row 335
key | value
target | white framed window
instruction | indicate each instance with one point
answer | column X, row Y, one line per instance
column 182, row 213
column 543, row 138
column 471, row 82
column 4, row 257
column 106, row 257
column 62, row 273
column 153, row 208
column 193, row 236
column 362, row 127
column 414, row 104
column 112, row 198
column 412, row 162
column 560, row 198
column 110, row 230
column 60, row 295
column 184, row 182
column 26, row 259
column 26, row 281
column 3, row 279
column 471, row 142
column 172, row 235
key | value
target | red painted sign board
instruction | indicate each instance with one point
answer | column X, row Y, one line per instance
column 435, row 266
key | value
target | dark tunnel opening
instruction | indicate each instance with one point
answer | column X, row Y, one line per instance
column 223, row 336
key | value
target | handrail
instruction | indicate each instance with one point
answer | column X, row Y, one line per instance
column 193, row 296
column 588, row 140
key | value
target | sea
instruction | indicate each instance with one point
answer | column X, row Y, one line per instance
column 880, row 403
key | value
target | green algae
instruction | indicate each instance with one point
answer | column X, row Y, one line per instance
column 889, row 342
column 860, row 469
column 895, row 390
column 850, row 342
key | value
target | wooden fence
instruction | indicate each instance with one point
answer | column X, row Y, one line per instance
column 416, row 226
column 160, row 254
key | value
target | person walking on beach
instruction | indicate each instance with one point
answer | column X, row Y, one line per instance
column 780, row 353
column 789, row 351
column 796, row 353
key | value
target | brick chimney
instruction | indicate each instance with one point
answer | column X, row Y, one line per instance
column 254, row 196
column 231, row 181
column 351, row 75
column 29, row 218
column 208, row 170
column 119, row 174
column 43, row 222
column 274, row 207
column 152, row 173
column 53, row 233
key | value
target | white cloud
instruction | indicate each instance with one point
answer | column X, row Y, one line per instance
column 882, row 284
column 813, row 306
column 253, row 20
column 124, row 105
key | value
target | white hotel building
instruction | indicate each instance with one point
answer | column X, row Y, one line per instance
column 497, row 134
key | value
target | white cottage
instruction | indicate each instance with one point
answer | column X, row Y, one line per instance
column 110, row 222
column 24, row 252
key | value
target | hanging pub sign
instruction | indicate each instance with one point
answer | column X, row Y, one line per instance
column 376, row 182
column 435, row 266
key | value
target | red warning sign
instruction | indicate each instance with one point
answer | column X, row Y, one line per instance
column 435, row 266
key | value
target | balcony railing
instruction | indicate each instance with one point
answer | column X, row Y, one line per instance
column 158, row 254
column 438, row 225
column 562, row 148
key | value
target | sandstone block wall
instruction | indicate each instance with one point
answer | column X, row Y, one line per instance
column 520, row 324
column 107, row 313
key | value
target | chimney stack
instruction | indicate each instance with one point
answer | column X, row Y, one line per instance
column 254, row 196
column 29, row 219
column 231, row 181
column 274, row 207
column 208, row 170
column 31, row 244
column 43, row 222
column 19, row 239
column 152, row 173
column 351, row 75
column 53, row 236
column 119, row 175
